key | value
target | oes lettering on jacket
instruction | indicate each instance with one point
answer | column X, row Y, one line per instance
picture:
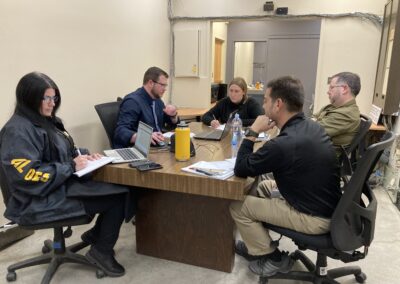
column 32, row 174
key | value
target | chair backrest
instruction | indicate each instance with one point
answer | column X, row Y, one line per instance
column 353, row 222
column 222, row 91
column 350, row 154
column 359, row 140
column 258, row 97
column 108, row 113
column 5, row 189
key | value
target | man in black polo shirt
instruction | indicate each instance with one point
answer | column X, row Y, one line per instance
column 303, row 163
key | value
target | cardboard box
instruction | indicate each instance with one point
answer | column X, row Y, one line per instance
column 11, row 233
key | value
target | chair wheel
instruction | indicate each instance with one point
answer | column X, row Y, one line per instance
column 361, row 277
column 11, row 276
column 47, row 247
column 100, row 274
column 263, row 280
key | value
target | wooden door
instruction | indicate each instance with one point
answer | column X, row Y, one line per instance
column 218, row 60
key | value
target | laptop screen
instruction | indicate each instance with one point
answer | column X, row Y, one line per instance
column 143, row 138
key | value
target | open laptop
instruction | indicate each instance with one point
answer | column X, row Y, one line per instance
column 214, row 134
column 139, row 151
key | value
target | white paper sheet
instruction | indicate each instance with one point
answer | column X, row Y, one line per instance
column 216, row 169
column 94, row 165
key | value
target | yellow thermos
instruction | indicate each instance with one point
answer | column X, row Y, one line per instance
column 182, row 142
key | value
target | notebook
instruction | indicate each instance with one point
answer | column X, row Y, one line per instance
column 94, row 165
column 214, row 134
column 139, row 151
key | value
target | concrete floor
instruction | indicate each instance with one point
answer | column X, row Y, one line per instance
column 381, row 265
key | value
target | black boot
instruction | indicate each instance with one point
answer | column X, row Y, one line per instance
column 106, row 262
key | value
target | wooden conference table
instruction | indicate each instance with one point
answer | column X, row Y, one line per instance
column 181, row 216
column 187, row 113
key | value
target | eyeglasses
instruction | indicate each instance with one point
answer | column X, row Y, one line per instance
column 48, row 99
column 334, row 86
column 161, row 84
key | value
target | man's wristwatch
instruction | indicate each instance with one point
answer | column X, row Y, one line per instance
column 250, row 133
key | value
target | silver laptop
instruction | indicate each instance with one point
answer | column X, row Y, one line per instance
column 213, row 134
column 217, row 134
column 139, row 151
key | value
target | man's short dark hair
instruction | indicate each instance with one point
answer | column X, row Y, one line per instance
column 153, row 73
column 290, row 90
column 351, row 79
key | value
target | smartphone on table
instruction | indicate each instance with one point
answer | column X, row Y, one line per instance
column 135, row 164
column 148, row 167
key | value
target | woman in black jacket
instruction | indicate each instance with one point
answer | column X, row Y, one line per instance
column 38, row 159
column 237, row 101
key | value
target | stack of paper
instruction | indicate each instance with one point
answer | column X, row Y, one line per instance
column 94, row 165
column 216, row 169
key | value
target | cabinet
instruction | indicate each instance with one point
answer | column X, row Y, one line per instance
column 387, row 83
column 186, row 46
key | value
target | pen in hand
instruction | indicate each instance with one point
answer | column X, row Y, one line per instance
column 80, row 160
column 78, row 151
column 215, row 122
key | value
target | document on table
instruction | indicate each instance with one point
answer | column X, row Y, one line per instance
column 216, row 169
column 94, row 165
column 220, row 127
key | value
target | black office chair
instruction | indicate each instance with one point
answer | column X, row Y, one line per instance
column 108, row 113
column 352, row 227
column 222, row 91
column 351, row 154
column 54, row 252
column 259, row 98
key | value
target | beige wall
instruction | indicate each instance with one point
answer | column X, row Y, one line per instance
column 95, row 50
column 212, row 8
column 342, row 50
column 350, row 44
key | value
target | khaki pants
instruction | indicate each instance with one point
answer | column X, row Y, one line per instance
column 249, row 214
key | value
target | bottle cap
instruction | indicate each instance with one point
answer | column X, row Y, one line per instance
column 182, row 124
column 237, row 115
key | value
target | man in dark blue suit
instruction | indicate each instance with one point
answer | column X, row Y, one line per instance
column 145, row 105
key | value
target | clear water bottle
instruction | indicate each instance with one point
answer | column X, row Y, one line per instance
column 236, row 134
column 234, row 145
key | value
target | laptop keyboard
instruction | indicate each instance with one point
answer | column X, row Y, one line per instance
column 214, row 134
column 127, row 154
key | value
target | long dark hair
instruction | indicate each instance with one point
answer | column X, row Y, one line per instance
column 30, row 91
